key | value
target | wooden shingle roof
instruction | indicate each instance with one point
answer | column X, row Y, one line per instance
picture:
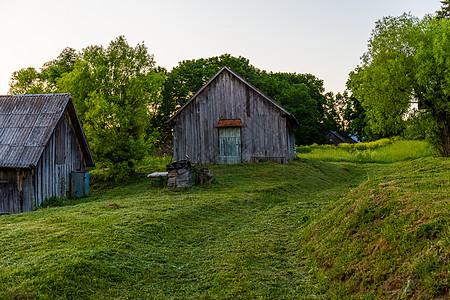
column 27, row 123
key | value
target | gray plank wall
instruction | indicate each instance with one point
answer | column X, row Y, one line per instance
column 265, row 132
column 60, row 157
column 9, row 201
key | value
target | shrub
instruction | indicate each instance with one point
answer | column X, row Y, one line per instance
column 53, row 201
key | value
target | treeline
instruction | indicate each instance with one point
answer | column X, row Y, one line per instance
column 403, row 82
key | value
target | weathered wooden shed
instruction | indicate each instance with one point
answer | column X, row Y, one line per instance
column 41, row 143
column 230, row 121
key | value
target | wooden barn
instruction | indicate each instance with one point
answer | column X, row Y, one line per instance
column 41, row 143
column 230, row 121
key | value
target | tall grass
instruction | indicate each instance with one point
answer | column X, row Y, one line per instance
column 381, row 151
column 153, row 161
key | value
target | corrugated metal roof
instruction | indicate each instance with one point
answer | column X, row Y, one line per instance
column 26, row 124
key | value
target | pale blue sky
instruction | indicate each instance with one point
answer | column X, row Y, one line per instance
column 323, row 37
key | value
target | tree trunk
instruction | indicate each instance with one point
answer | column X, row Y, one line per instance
column 444, row 128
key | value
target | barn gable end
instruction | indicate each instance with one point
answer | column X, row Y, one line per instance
column 265, row 130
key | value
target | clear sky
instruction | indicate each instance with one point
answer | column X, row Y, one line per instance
column 323, row 37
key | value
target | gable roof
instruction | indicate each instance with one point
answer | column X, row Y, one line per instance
column 340, row 137
column 287, row 113
column 27, row 123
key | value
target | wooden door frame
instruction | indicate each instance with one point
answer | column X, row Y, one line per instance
column 240, row 142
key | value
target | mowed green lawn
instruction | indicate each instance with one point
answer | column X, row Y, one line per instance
column 262, row 231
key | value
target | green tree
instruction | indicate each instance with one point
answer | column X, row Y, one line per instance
column 31, row 81
column 303, row 95
column 407, row 62
column 26, row 81
column 432, row 77
column 113, row 89
column 64, row 63
column 444, row 13
column 351, row 115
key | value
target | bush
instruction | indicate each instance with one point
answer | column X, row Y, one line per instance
column 53, row 201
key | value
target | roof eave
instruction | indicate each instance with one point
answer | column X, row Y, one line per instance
column 195, row 95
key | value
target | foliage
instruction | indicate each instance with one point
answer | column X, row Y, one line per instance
column 302, row 95
column 432, row 77
column 26, row 81
column 54, row 202
column 202, row 173
column 407, row 60
column 115, row 91
column 31, row 81
column 421, row 126
column 444, row 13
column 351, row 116
column 382, row 84
column 112, row 89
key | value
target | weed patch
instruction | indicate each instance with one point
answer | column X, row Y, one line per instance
column 381, row 151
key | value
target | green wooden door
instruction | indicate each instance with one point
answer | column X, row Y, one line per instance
column 230, row 145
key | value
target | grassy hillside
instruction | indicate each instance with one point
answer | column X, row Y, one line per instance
column 389, row 236
column 308, row 229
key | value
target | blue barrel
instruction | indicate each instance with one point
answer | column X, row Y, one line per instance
column 79, row 183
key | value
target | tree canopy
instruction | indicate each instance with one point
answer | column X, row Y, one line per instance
column 31, row 81
column 407, row 62
column 444, row 13
column 112, row 89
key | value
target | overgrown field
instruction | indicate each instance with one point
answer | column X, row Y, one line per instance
column 307, row 229
column 381, row 151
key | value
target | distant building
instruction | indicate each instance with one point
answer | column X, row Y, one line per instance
column 230, row 121
column 41, row 143
column 334, row 138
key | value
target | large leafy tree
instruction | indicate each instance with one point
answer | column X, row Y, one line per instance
column 31, row 81
column 113, row 88
column 432, row 77
column 303, row 95
column 351, row 115
column 407, row 61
